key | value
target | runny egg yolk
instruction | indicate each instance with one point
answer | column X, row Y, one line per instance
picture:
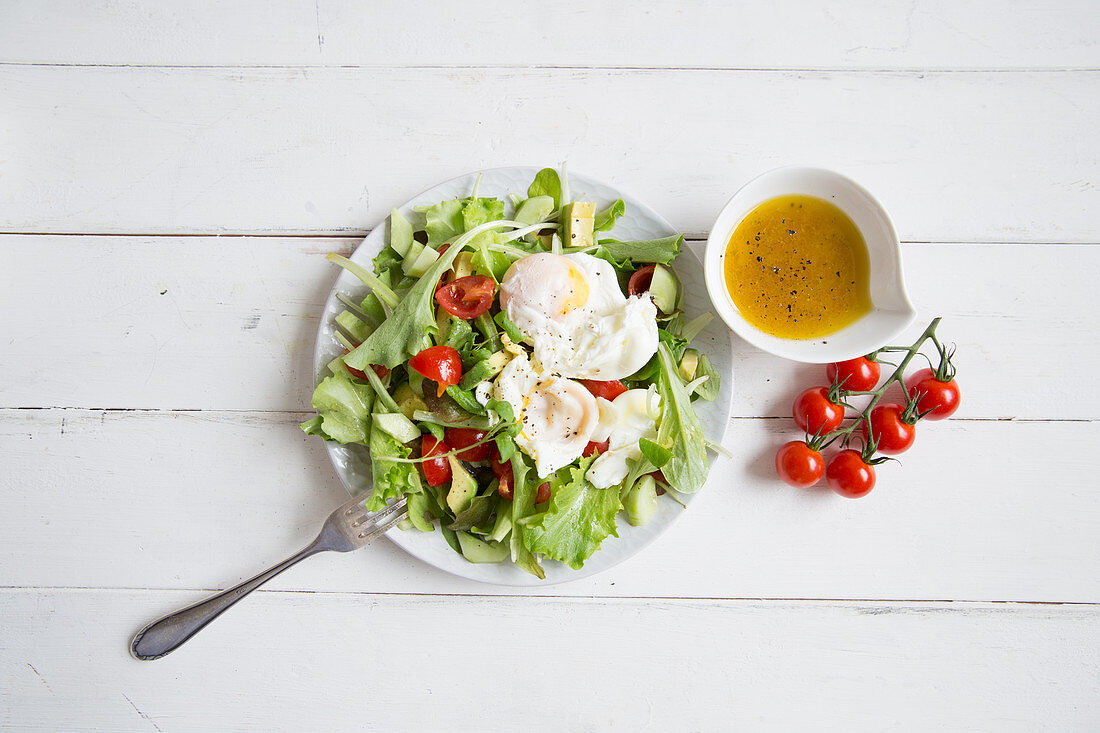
column 577, row 294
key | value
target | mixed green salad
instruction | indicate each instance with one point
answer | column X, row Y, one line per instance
column 502, row 381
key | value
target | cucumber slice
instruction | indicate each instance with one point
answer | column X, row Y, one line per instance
column 478, row 551
column 641, row 502
column 419, row 263
column 401, row 233
column 397, row 425
column 534, row 210
column 664, row 289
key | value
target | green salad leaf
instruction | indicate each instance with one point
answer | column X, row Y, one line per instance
column 577, row 521
column 409, row 328
column 523, row 506
column 708, row 390
column 344, row 408
column 605, row 220
column 662, row 250
column 680, row 428
column 546, row 183
column 391, row 480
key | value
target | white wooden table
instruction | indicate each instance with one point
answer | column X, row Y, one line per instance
column 171, row 176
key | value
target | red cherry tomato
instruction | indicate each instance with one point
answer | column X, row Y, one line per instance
column 815, row 414
column 503, row 471
column 439, row 363
column 609, row 389
column 437, row 471
column 594, row 449
column 799, row 465
column 467, row 297
column 859, row 374
column 380, row 370
column 464, row 438
column 543, row 494
column 640, row 280
column 849, row 476
column 893, row 434
column 942, row 398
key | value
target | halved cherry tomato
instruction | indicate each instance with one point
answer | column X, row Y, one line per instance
column 799, row 465
column 609, row 389
column 503, row 471
column 467, row 297
column 859, row 374
column 890, row 429
column 942, row 398
column 815, row 414
column 849, row 476
column 439, row 363
column 464, row 438
column 437, row 471
column 380, row 370
column 594, row 449
column 640, row 280
column 543, row 494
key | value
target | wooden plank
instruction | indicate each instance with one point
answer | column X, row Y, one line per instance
column 978, row 510
column 234, row 328
column 953, row 156
column 790, row 34
column 292, row 661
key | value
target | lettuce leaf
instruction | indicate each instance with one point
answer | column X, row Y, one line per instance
column 679, row 427
column 344, row 407
column 578, row 520
column 391, row 480
column 605, row 219
column 523, row 506
column 546, row 183
column 662, row 250
column 408, row 329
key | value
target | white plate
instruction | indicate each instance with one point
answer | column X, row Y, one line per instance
column 640, row 222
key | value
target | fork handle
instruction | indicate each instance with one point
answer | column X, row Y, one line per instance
column 170, row 632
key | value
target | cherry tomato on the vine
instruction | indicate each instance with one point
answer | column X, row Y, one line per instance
column 888, row 427
column 799, row 465
column 437, row 471
column 849, row 476
column 440, row 363
column 467, row 297
column 815, row 414
column 942, row 398
column 459, row 438
column 609, row 389
column 859, row 374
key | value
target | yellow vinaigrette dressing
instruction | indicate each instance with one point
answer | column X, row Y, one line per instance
column 797, row 267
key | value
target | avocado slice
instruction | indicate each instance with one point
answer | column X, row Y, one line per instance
column 689, row 364
column 418, row 259
column 407, row 400
column 463, row 487
column 664, row 289
column 578, row 220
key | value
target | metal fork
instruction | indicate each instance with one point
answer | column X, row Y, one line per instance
column 346, row 529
